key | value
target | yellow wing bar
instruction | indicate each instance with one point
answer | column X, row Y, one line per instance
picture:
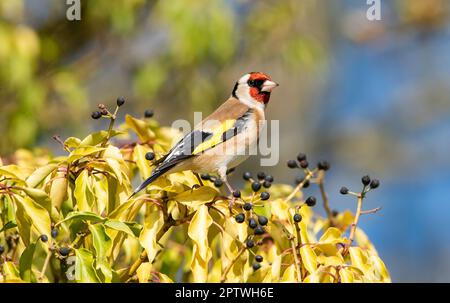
column 217, row 136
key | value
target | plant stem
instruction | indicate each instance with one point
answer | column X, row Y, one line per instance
column 326, row 204
column 299, row 245
column 308, row 176
column 143, row 256
column 354, row 224
column 297, row 262
column 44, row 268
column 228, row 268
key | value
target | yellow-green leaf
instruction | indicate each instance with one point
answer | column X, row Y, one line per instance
column 140, row 128
column 40, row 174
column 309, row 258
column 39, row 216
column 198, row 232
column 196, row 197
column 83, row 193
column 84, row 267
column 152, row 226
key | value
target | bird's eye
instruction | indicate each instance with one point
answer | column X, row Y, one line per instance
column 255, row 83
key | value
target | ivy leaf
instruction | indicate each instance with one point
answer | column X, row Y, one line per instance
column 289, row 274
column 153, row 224
column 40, row 174
column 196, row 197
column 83, row 192
column 142, row 163
column 83, row 215
column 101, row 240
column 10, row 272
column 309, row 258
column 40, row 197
column 140, row 127
column 81, row 152
column 198, row 232
column 58, row 190
column 84, row 267
column 98, row 137
column 346, row 275
column 26, row 263
column 39, row 216
column 121, row 226
column 72, row 142
column 8, row 225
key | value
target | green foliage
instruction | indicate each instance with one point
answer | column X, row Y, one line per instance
column 180, row 229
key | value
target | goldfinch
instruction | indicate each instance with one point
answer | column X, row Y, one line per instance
column 222, row 140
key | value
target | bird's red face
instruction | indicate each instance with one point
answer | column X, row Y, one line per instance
column 260, row 87
column 254, row 88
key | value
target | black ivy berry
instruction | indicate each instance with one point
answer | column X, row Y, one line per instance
column 365, row 180
column 343, row 190
column 334, row 213
column 218, row 183
column 292, row 164
column 323, row 165
column 54, row 233
column 256, row 266
column 64, row 251
column 247, row 176
column 205, row 177
column 374, row 184
column 261, row 175
column 150, row 156
column 259, row 230
column 252, row 223
column 259, row 258
column 306, row 184
column 237, row 193
column 311, row 201
column 304, row 164
column 256, row 186
column 297, row 218
column 263, row 220
column 269, row 178
column 250, row 243
column 2, row 249
column 267, row 184
column 44, row 238
column 96, row 115
column 240, row 218
column 265, row 196
column 248, row 206
column 301, row 157
column 120, row 101
column 149, row 113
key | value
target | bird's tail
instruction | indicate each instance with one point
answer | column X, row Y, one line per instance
column 155, row 175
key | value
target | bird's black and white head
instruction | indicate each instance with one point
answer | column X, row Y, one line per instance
column 254, row 89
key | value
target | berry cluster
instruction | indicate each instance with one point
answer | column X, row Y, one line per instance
column 216, row 180
column 255, row 222
column 368, row 184
column 104, row 112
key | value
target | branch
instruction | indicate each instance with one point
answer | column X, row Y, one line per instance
column 228, row 268
column 326, row 205
column 308, row 176
column 371, row 211
column 354, row 224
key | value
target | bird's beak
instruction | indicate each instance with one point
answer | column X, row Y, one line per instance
column 268, row 86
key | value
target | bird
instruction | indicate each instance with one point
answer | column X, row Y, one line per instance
column 222, row 140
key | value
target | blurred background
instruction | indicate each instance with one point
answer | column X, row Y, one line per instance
column 370, row 97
